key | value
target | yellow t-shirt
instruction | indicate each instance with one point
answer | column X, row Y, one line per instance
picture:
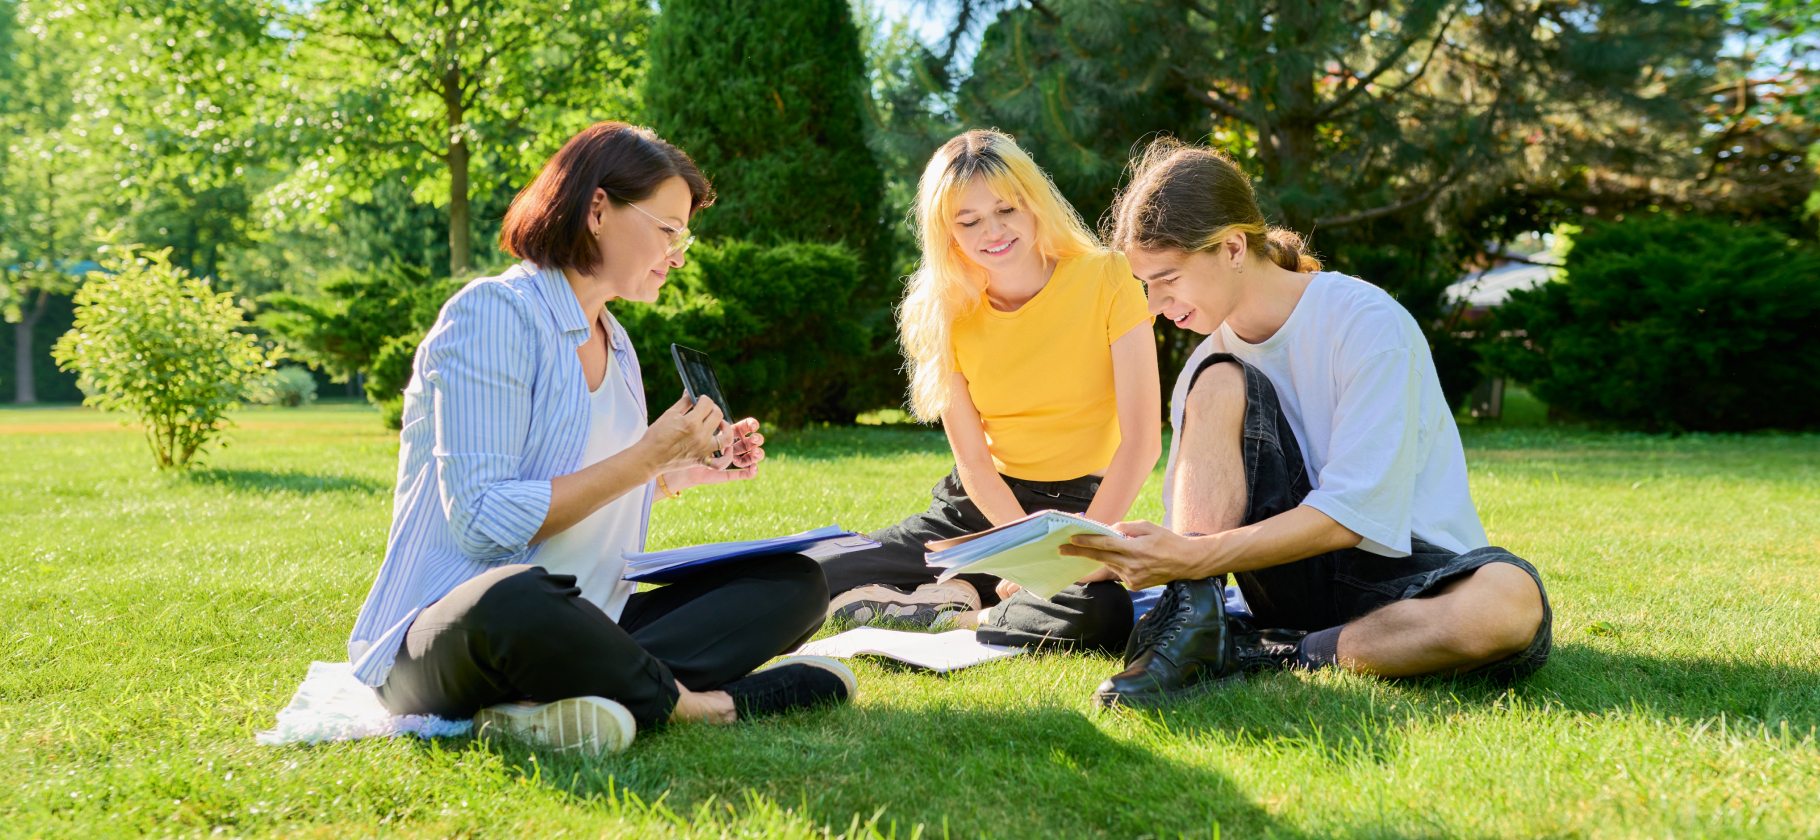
column 1041, row 377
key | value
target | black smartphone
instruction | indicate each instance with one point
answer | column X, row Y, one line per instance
column 699, row 379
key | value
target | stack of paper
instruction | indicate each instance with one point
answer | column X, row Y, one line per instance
column 1022, row 551
column 677, row 563
column 940, row 652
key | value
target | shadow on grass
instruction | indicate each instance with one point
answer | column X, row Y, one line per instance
column 273, row 481
column 1363, row 720
column 1043, row 772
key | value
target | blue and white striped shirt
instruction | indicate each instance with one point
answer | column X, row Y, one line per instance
column 497, row 406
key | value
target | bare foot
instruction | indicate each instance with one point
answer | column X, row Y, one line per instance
column 968, row 620
column 702, row 707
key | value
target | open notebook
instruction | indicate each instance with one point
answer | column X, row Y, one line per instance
column 1022, row 551
column 939, row 652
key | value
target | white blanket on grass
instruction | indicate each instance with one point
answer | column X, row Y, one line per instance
column 333, row 705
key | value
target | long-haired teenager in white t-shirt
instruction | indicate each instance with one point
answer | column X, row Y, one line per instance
column 1315, row 459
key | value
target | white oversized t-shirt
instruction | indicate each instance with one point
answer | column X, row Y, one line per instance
column 1354, row 376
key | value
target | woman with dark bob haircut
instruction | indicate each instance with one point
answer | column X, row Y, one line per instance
column 527, row 470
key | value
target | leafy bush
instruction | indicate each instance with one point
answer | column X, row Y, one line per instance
column 777, row 321
column 364, row 323
column 153, row 341
column 1673, row 323
column 289, row 386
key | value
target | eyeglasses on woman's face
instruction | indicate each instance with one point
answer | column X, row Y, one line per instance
column 680, row 238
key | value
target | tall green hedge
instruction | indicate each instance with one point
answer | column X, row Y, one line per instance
column 777, row 321
column 768, row 99
column 1673, row 323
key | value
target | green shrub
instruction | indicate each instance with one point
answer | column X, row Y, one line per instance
column 289, row 386
column 388, row 375
column 1673, row 323
column 154, row 342
column 776, row 320
column 357, row 325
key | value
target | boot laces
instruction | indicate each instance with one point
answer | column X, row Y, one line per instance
column 1167, row 618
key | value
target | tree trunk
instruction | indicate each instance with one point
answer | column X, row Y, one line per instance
column 1293, row 140
column 461, row 254
column 25, row 377
column 461, row 249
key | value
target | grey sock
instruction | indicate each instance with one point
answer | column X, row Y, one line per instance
column 1319, row 649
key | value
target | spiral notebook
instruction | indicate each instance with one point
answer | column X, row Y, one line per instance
column 1022, row 551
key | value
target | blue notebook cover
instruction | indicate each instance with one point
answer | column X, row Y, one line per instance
column 678, row 563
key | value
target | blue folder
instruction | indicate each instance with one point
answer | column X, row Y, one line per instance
column 678, row 563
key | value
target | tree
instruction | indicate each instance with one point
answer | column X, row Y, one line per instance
column 450, row 92
column 43, row 170
column 1401, row 135
column 771, row 108
column 136, row 116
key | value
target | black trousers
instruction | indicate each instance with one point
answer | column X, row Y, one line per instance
column 520, row 633
column 1097, row 616
column 1331, row 589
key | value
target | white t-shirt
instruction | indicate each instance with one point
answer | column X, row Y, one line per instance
column 1356, row 381
column 593, row 550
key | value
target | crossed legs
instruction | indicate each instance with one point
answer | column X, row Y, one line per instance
column 1483, row 616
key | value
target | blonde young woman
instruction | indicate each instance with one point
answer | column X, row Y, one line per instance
column 1031, row 343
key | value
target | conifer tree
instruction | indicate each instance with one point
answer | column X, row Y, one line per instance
column 767, row 97
column 1407, row 136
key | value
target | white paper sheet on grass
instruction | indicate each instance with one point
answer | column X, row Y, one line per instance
column 939, row 652
column 334, row 705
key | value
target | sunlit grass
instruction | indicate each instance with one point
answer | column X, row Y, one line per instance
column 156, row 621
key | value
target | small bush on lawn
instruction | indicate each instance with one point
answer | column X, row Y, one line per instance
column 777, row 321
column 358, row 324
column 1670, row 322
column 388, row 375
column 154, row 342
column 289, row 386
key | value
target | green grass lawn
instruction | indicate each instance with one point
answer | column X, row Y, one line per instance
column 155, row 622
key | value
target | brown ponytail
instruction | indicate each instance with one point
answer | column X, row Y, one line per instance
column 1190, row 198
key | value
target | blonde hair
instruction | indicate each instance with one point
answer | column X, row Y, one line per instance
column 948, row 284
column 1190, row 198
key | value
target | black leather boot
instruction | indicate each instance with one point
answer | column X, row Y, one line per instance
column 1181, row 648
column 1264, row 649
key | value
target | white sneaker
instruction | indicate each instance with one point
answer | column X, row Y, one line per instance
column 826, row 663
column 593, row 725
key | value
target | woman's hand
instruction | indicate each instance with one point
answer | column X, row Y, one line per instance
column 1151, row 554
column 741, row 450
column 682, row 437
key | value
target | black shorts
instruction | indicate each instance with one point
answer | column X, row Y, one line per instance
column 1331, row 589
